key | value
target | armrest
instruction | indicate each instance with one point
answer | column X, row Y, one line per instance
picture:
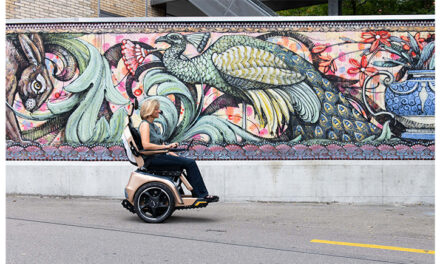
column 177, row 149
column 147, row 152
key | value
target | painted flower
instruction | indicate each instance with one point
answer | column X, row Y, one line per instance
column 361, row 68
column 418, row 39
column 412, row 51
column 138, row 92
column 319, row 48
column 327, row 64
column 375, row 38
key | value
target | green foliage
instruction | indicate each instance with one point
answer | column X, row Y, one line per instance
column 89, row 91
column 387, row 7
column 315, row 10
column 370, row 7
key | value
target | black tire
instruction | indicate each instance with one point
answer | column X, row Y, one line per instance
column 154, row 202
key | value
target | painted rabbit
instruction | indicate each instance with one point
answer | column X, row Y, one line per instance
column 26, row 73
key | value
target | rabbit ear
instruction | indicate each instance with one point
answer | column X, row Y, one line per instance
column 38, row 43
column 30, row 49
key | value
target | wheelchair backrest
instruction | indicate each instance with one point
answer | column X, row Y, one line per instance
column 132, row 145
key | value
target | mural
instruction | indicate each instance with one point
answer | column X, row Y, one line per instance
column 243, row 93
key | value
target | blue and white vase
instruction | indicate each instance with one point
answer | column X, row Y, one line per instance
column 413, row 103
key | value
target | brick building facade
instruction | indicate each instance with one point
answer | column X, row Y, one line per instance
column 33, row 9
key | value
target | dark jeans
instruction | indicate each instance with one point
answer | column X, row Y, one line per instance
column 193, row 173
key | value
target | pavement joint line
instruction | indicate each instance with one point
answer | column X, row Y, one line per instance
column 199, row 240
column 413, row 250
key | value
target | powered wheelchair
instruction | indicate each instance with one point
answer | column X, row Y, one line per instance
column 154, row 193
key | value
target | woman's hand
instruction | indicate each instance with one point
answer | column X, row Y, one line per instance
column 173, row 145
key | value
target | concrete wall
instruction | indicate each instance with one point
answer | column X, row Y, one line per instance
column 369, row 182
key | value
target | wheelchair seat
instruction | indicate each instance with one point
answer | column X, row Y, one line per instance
column 168, row 172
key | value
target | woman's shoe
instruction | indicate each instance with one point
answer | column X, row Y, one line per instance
column 211, row 198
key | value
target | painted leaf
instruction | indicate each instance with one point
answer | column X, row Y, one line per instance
column 413, row 44
column 387, row 63
column 65, row 105
column 219, row 131
column 74, row 46
column 111, row 93
column 117, row 124
column 170, row 85
column 393, row 49
column 169, row 118
column 432, row 63
column 92, row 73
column 426, row 54
column 101, row 130
column 348, row 40
column 395, row 39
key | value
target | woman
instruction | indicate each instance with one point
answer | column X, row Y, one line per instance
column 153, row 140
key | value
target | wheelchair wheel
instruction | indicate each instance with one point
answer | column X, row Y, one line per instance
column 154, row 202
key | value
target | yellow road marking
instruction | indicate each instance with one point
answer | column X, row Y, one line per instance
column 373, row 246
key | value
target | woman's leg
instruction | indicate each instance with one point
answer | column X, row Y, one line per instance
column 193, row 173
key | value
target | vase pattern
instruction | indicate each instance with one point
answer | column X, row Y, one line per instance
column 413, row 97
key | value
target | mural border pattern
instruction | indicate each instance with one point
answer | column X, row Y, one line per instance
column 235, row 152
column 159, row 27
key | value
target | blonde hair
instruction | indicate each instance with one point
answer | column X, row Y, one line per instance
column 148, row 108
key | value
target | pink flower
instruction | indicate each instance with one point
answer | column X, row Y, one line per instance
column 263, row 132
column 342, row 56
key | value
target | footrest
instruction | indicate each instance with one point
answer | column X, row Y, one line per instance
column 199, row 203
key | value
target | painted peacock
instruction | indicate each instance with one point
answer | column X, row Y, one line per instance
column 283, row 88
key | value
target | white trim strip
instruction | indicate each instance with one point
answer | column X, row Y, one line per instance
column 223, row 19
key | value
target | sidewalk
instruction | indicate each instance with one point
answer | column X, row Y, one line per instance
column 79, row 230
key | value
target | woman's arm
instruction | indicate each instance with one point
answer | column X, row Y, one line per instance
column 144, row 130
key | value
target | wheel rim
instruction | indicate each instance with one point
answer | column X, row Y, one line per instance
column 154, row 203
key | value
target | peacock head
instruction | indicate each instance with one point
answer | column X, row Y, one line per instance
column 177, row 40
column 174, row 39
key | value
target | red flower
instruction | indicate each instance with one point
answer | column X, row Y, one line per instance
column 375, row 38
column 327, row 64
column 138, row 92
column 362, row 69
column 319, row 48
column 418, row 39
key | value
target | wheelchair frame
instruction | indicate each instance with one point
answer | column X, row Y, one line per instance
column 154, row 194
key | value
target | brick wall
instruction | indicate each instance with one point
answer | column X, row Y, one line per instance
column 126, row 8
column 51, row 8
column 29, row 9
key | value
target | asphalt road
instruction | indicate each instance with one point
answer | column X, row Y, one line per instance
column 79, row 230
